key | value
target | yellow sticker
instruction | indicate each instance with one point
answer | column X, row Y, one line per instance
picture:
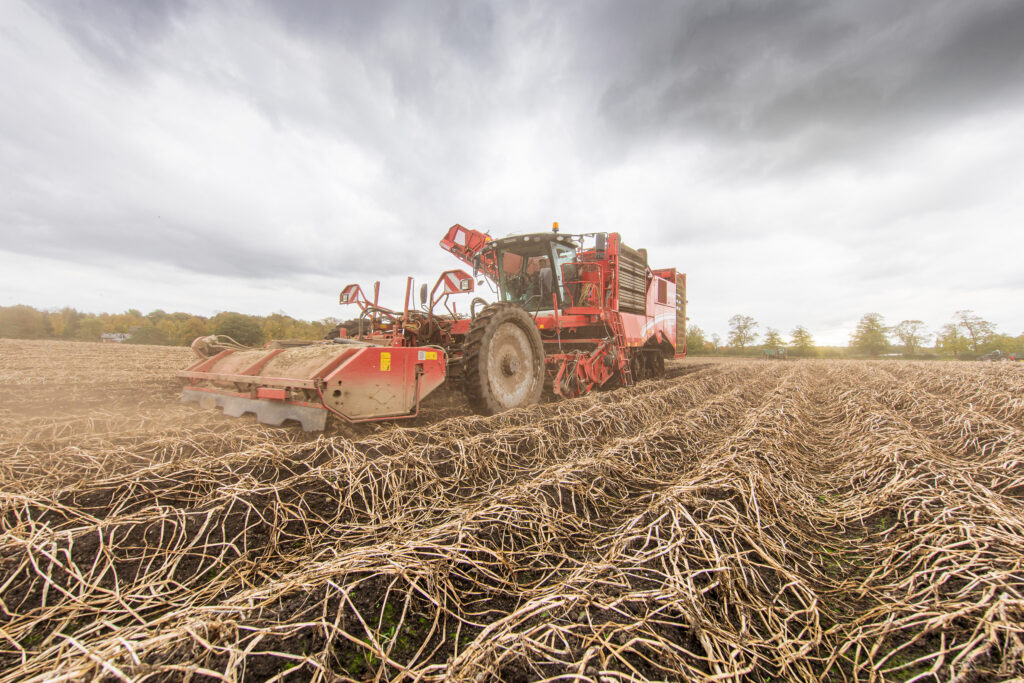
column 431, row 355
column 385, row 361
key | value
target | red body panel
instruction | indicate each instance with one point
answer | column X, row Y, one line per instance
column 660, row 321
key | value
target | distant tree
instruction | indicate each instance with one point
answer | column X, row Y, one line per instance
column 977, row 329
column 188, row 330
column 89, row 329
column 23, row 322
column 302, row 329
column 870, row 336
column 123, row 322
column 180, row 328
column 911, row 334
column 694, row 339
column 64, row 322
column 772, row 339
column 168, row 327
column 741, row 331
column 242, row 328
column 1003, row 342
column 278, row 326
column 148, row 335
column 803, row 342
column 951, row 340
column 716, row 341
column 156, row 316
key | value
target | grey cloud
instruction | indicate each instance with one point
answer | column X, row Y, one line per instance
column 964, row 67
column 466, row 28
column 737, row 68
column 409, row 48
column 117, row 34
column 860, row 73
column 109, row 241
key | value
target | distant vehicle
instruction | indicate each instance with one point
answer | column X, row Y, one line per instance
column 997, row 355
column 774, row 354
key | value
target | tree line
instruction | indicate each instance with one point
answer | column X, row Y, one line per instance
column 966, row 336
column 156, row 327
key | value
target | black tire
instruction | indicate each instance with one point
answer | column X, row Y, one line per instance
column 658, row 364
column 503, row 360
column 647, row 363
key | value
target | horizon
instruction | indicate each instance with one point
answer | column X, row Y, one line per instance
column 930, row 334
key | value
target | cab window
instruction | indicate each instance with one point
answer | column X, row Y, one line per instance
column 526, row 280
column 567, row 272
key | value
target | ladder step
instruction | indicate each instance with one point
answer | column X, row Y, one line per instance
column 620, row 339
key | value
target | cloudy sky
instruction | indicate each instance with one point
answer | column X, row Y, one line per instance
column 804, row 162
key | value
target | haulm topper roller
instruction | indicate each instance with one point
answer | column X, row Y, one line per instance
column 573, row 312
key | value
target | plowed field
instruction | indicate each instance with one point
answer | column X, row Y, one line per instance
column 735, row 521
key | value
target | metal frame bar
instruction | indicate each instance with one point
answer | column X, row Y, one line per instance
column 258, row 365
column 201, row 364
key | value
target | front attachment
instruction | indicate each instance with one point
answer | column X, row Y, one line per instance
column 354, row 381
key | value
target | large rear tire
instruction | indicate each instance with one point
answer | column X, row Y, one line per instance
column 503, row 360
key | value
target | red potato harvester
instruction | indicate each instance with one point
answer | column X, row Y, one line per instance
column 574, row 312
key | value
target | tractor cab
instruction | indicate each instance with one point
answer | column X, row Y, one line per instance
column 536, row 271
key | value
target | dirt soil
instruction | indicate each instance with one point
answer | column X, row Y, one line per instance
column 733, row 521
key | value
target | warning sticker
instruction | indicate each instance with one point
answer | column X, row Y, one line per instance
column 427, row 355
column 385, row 361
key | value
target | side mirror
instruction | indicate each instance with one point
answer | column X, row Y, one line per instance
column 423, row 294
column 602, row 245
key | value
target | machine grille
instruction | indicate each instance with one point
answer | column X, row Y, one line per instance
column 632, row 280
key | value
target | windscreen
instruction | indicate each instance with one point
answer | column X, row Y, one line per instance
column 527, row 280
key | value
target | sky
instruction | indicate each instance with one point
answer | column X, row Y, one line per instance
column 804, row 162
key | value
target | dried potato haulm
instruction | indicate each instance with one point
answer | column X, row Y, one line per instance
column 811, row 520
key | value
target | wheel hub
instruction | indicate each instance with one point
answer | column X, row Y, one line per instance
column 509, row 365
